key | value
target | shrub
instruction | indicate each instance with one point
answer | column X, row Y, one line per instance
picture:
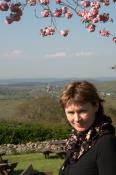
column 15, row 133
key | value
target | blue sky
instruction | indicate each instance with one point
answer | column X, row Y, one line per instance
column 25, row 54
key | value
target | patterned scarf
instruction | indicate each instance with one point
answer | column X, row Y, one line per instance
column 79, row 143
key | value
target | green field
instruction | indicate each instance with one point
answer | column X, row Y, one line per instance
column 38, row 162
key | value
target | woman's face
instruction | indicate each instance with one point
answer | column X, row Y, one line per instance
column 81, row 117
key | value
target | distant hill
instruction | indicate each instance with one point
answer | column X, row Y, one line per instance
column 103, row 84
column 13, row 93
column 51, row 81
column 107, row 86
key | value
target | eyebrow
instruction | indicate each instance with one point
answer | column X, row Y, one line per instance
column 80, row 110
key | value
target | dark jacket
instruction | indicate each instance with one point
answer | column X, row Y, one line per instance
column 99, row 160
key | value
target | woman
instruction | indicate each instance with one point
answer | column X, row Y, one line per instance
column 91, row 147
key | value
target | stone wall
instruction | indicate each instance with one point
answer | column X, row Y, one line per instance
column 27, row 148
column 23, row 148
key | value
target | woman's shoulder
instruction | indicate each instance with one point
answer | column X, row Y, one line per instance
column 107, row 138
column 107, row 142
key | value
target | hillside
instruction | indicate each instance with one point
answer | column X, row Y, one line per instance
column 107, row 86
column 19, row 96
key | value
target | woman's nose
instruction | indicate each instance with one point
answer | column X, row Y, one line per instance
column 76, row 117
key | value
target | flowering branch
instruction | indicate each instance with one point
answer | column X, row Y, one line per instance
column 89, row 12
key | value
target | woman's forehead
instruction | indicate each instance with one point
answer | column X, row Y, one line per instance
column 77, row 105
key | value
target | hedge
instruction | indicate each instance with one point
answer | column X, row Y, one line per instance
column 15, row 133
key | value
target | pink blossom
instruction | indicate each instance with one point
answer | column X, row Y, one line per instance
column 85, row 18
column 31, row 2
column 57, row 12
column 64, row 10
column 88, row 10
column 47, row 31
column 68, row 15
column 58, row 1
column 44, row 2
column 93, row 12
column 16, row 17
column 104, row 17
column 45, row 13
column 15, row 8
column 95, row 4
column 104, row 32
column 114, row 39
column 95, row 20
column 64, row 32
column 4, row 6
column 105, row 2
column 85, row 3
column 82, row 13
column 90, row 27
column 8, row 20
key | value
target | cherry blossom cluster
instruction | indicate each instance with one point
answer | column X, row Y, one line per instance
column 15, row 11
column 47, row 31
column 89, row 11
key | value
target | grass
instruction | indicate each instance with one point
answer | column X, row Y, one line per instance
column 37, row 160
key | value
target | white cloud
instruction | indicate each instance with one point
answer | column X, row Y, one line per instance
column 16, row 53
column 56, row 55
column 83, row 54
column 70, row 55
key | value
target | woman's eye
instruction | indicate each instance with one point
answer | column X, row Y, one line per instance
column 70, row 112
column 79, row 112
column 83, row 111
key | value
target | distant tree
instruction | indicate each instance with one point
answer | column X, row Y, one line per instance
column 42, row 109
column 91, row 13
